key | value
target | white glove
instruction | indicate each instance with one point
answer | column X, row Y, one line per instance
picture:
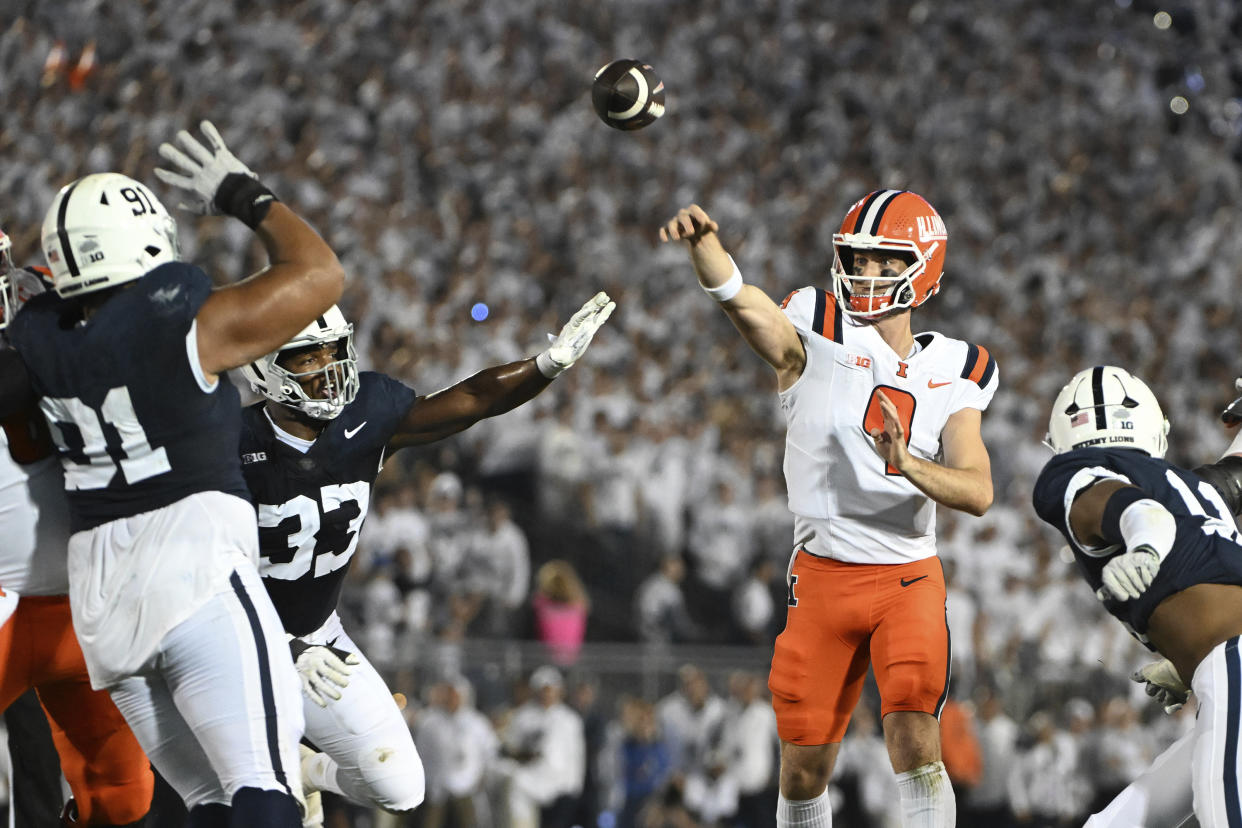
column 1163, row 684
column 1128, row 575
column 323, row 673
column 200, row 173
column 572, row 342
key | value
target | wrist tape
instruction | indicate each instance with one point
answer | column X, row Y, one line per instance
column 548, row 367
column 244, row 197
column 731, row 287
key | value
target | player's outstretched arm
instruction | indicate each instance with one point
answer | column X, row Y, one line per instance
column 242, row 322
column 759, row 320
column 502, row 388
column 963, row 481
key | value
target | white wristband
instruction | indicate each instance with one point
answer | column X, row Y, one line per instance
column 729, row 289
column 1146, row 523
column 548, row 367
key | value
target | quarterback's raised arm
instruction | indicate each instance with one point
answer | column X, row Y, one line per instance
column 760, row 321
column 502, row 388
column 241, row 322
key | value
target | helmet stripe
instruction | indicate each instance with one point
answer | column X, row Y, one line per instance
column 1097, row 395
column 63, row 235
column 873, row 211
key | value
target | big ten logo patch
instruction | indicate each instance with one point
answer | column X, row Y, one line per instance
column 859, row 360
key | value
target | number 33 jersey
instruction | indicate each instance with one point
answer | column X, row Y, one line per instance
column 311, row 505
column 848, row 504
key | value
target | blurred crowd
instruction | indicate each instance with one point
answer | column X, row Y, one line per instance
column 448, row 152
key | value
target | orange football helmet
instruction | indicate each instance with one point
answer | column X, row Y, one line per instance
column 894, row 221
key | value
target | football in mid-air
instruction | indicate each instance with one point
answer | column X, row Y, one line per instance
column 627, row 94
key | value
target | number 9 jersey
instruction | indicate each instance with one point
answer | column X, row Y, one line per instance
column 848, row 504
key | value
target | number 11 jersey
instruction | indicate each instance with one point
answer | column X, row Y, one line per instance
column 848, row 504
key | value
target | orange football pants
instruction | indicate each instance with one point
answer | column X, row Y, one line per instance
column 843, row 617
column 107, row 771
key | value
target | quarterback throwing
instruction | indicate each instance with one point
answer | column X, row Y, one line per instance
column 883, row 424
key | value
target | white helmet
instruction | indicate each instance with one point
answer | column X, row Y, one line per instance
column 1107, row 407
column 105, row 229
column 276, row 383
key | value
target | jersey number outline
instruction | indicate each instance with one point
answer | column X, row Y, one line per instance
column 300, row 521
column 1213, row 524
column 874, row 418
column 101, row 441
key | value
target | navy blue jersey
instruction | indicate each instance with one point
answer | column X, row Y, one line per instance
column 132, row 423
column 311, row 506
column 1207, row 548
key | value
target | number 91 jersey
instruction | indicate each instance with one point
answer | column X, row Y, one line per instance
column 848, row 504
column 311, row 505
column 135, row 423
column 1207, row 548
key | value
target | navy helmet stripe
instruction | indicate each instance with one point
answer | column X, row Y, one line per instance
column 63, row 235
column 873, row 211
column 265, row 681
column 1097, row 396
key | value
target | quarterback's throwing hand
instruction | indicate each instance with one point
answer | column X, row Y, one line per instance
column 1163, row 684
column 571, row 343
column 690, row 224
column 324, row 674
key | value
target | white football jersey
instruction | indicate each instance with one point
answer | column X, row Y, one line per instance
column 847, row 503
column 34, row 525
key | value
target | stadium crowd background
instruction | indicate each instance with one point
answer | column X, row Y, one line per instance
column 448, row 152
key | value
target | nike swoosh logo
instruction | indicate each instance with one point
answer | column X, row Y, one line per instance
column 931, row 384
column 906, row 583
column 350, row 432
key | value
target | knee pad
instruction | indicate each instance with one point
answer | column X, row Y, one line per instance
column 257, row 808
column 395, row 778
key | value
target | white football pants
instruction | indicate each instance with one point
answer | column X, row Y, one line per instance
column 365, row 734
column 219, row 707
